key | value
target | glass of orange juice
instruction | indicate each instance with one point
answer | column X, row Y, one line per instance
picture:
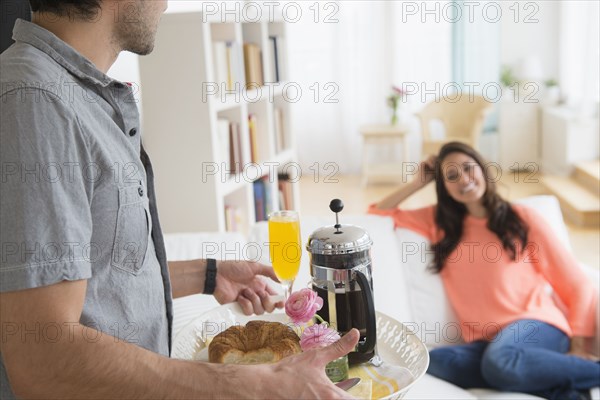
column 285, row 247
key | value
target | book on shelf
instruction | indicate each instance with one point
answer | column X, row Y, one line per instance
column 224, row 143
column 286, row 194
column 253, row 65
column 233, row 219
column 268, row 197
column 259, row 200
column 229, row 138
column 253, row 135
column 263, row 196
column 236, row 157
column 220, row 61
column 279, row 130
column 276, row 58
column 228, row 65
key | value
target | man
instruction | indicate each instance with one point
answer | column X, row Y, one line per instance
column 85, row 288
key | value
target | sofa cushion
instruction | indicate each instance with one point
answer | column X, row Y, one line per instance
column 430, row 387
column 433, row 320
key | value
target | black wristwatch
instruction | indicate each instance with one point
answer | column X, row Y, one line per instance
column 210, row 282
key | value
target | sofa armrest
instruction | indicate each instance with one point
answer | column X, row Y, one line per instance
column 190, row 246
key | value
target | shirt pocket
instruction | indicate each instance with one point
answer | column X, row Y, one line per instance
column 132, row 230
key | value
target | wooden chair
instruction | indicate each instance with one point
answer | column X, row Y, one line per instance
column 462, row 119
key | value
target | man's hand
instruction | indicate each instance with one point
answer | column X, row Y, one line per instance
column 241, row 281
column 303, row 375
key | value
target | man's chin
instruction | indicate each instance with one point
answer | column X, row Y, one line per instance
column 141, row 51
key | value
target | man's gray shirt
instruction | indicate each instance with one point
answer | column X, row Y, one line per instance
column 77, row 197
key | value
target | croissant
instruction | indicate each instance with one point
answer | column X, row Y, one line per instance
column 259, row 342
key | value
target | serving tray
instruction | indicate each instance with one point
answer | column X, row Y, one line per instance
column 395, row 343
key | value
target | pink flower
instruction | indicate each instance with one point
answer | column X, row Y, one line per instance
column 301, row 306
column 399, row 91
column 318, row 336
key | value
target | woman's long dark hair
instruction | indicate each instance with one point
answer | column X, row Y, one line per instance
column 450, row 214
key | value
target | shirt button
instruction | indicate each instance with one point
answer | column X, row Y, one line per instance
column 141, row 191
column 132, row 132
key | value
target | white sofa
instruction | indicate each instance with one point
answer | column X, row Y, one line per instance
column 403, row 288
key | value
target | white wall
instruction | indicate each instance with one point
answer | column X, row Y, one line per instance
column 523, row 37
column 126, row 69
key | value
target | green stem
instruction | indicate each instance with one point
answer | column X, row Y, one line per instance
column 318, row 317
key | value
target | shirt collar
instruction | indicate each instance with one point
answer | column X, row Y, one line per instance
column 60, row 51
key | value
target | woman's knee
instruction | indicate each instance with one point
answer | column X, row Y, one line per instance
column 502, row 368
column 439, row 360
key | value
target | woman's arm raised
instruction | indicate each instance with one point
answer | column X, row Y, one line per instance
column 425, row 175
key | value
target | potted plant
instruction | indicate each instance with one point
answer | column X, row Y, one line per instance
column 397, row 96
column 507, row 76
column 552, row 91
column 509, row 83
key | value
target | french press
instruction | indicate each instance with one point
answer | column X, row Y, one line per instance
column 340, row 266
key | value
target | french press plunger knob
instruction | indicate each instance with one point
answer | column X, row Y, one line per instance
column 336, row 205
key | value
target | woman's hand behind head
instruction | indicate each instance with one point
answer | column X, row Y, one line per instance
column 427, row 170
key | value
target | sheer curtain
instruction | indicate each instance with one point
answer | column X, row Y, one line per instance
column 347, row 61
column 421, row 58
column 421, row 49
column 364, row 53
column 476, row 56
column 580, row 54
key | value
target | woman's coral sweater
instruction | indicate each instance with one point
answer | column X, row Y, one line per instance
column 488, row 290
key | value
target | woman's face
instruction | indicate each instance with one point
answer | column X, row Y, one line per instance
column 463, row 178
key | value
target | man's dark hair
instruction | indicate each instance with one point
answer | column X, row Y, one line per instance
column 86, row 9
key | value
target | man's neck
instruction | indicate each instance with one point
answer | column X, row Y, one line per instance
column 92, row 39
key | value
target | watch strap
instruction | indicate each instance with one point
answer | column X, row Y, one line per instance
column 210, row 282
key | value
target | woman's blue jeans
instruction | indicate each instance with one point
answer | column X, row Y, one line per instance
column 526, row 356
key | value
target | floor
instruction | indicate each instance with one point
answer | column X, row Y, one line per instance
column 316, row 194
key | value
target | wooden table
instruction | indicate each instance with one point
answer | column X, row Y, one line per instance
column 383, row 136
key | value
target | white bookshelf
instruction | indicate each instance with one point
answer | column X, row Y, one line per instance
column 181, row 129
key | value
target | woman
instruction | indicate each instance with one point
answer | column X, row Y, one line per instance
column 496, row 260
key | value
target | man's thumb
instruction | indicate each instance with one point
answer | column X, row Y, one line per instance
column 343, row 346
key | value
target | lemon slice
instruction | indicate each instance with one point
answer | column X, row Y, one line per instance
column 362, row 390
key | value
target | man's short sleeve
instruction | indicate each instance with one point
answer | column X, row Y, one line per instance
column 46, row 187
